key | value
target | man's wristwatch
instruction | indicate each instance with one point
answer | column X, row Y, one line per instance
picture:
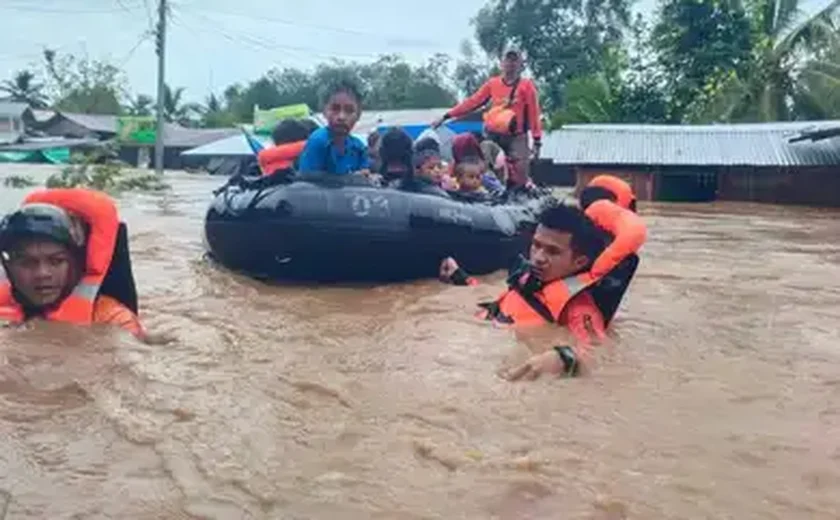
column 569, row 359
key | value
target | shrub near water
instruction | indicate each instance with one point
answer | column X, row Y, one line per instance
column 99, row 170
column 19, row 181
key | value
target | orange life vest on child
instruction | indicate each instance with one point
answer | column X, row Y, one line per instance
column 624, row 196
column 100, row 213
column 280, row 157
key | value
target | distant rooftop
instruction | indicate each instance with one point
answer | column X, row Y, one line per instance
column 753, row 144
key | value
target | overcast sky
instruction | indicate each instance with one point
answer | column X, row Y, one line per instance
column 213, row 43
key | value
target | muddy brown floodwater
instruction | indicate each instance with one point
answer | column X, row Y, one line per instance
column 720, row 398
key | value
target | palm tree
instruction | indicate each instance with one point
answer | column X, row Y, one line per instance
column 783, row 38
column 215, row 115
column 175, row 110
column 23, row 89
column 142, row 105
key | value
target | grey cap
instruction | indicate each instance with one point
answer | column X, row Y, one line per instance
column 512, row 49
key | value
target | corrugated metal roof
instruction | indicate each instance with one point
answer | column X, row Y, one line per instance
column 235, row 145
column 755, row 144
column 12, row 108
column 101, row 123
column 177, row 136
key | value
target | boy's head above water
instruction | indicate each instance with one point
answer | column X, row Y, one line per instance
column 342, row 103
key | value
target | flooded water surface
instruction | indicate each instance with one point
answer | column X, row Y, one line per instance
column 719, row 397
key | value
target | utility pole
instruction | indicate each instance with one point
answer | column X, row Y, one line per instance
column 161, row 82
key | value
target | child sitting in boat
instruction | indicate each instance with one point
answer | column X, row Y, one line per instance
column 395, row 151
column 289, row 136
column 427, row 161
column 428, row 171
column 447, row 180
column 333, row 149
column 467, row 146
column 468, row 174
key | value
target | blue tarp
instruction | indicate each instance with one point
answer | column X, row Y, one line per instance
column 457, row 127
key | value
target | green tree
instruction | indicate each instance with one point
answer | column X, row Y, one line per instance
column 817, row 94
column 176, row 110
column 388, row 83
column 392, row 83
column 784, row 41
column 84, row 85
column 140, row 105
column 472, row 71
column 23, row 88
column 700, row 43
column 215, row 115
column 563, row 39
column 624, row 92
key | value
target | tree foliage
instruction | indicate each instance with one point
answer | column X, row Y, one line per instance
column 84, row 85
column 25, row 88
column 563, row 39
column 700, row 43
column 699, row 61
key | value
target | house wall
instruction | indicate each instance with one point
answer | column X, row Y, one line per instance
column 642, row 182
column 11, row 128
column 548, row 173
column 171, row 156
column 812, row 186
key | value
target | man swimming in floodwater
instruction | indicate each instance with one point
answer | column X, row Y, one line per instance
column 57, row 251
column 333, row 149
column 549, row 289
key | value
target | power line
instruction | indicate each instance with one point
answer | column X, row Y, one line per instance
column 272, row 46
column 341, row 30
column 142, row 39
column 52, row 10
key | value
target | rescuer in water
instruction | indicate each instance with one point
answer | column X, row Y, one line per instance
column 557, row 284
column 65, row 259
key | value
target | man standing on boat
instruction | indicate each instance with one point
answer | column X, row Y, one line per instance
column 514, row 111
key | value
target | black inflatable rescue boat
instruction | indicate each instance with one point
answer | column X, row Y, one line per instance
column 342, row 228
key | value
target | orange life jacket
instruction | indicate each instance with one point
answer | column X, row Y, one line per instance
column 280, row 157
column 627, row 228
column 519, row 307
column 100, row 213
column 624, row 196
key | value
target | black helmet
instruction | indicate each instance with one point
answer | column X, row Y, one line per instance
column 41, row 220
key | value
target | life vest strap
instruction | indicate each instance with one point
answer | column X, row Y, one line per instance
column 538, row 306
column 86, row 291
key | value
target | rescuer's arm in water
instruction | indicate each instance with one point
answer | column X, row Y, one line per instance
column 585, row 322
column 581, row 317
column 108, row 311
column 451, row 272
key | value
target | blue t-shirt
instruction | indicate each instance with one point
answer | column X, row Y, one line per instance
column 319, row 155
